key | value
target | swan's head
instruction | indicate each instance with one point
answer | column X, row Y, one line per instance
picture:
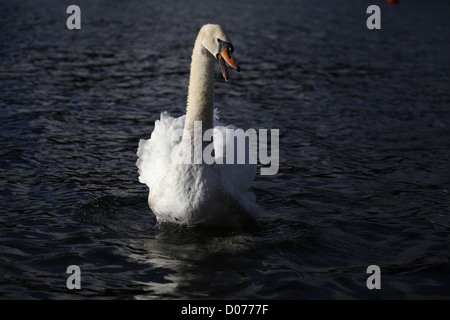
column 216, row 42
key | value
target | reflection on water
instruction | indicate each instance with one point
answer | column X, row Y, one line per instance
column 183, row 257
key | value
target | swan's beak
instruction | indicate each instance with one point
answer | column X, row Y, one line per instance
column 226, row 57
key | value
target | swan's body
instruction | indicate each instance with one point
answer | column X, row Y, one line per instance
column 193, row 192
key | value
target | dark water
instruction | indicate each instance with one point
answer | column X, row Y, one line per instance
column 364, row 120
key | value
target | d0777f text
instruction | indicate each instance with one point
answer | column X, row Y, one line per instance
column 246, row 309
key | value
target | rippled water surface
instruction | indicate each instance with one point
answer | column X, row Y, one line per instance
column 364, row 178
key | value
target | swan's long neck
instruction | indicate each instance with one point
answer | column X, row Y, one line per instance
column 200, row 101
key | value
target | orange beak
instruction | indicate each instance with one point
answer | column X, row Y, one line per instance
column 224, row 58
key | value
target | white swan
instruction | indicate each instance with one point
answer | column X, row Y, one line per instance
column 192, row 193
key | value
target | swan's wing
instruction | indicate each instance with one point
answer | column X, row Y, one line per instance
column 235, row 154
column 154, row 154
column 237, row 166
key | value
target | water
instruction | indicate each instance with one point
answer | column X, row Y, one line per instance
column 364, row 150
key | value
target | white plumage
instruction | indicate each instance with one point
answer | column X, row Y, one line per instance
column 192, row 192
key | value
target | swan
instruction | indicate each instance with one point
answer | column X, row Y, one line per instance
column 193, row 192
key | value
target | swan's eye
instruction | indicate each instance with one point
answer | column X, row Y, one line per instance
column 229, row 52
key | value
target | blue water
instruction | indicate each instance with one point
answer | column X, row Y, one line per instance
column 364, row 178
